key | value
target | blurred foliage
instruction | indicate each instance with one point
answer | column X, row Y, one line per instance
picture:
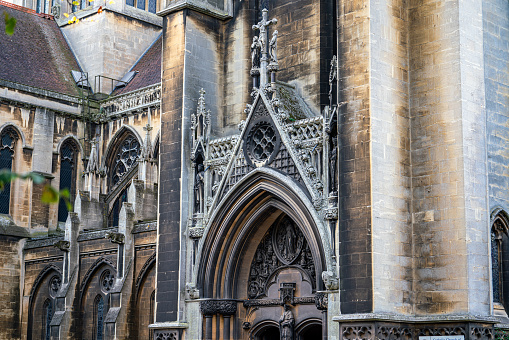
column 50, row 195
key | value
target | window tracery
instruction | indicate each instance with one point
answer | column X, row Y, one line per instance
column 8, row 140
column 107, row 281
column 125, row 157
column 499, row 229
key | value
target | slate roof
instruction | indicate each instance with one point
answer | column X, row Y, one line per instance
column 37, row 54
column 149, row 68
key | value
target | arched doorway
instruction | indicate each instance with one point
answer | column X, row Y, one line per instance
column 263, row 257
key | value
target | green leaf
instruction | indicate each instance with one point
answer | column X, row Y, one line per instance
column 10, row 24
column 6, row 177
column 35, row 177
column 49, row 194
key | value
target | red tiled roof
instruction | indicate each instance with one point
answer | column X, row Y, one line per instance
column 149, row 68
column 37, row 53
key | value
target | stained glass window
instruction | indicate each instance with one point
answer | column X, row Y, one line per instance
column 47, row 316
column 8, row 140
column 125, row 157
column 99, row 317
column 68, row 154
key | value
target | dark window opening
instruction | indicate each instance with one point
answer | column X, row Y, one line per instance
column 68, row 155
column 46, row 320
column 311, row 332
column 98, row 317
column 117, row 206
column 269, row 333
column 8, row 140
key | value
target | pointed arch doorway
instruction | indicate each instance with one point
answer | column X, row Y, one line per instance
column 259, row 272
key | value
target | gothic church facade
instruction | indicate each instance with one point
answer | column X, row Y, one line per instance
column 284, row 169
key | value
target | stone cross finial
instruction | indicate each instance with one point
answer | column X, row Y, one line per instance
column 147, row 145
column 260, row 44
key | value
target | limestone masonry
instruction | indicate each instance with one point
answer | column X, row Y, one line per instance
column 255, row 169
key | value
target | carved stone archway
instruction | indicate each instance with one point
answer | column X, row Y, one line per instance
column 265, row 237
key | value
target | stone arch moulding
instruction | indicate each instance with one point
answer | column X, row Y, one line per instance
column 235, row 218
column 46, row 271
column 18, row 130
column 143, row 273
column 499, row 212
column 114, row 141
column 64, row 139
column 261, row 326
column 91, row 271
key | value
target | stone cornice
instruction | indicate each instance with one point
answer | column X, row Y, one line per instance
column 197, row 6
column 387, row 317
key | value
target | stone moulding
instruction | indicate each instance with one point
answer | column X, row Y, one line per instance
column 132, row 102
column 386, row 330
column 217, row 306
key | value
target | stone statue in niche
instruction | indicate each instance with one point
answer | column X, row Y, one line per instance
column 198, row 189
column 286, row 324
column 255, row 53
column 273, row 48
column 333, row 158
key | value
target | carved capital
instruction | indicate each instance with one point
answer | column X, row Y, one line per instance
column 196, row 232
column 321, row 301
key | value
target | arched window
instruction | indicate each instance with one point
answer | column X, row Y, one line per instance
column 47, row 315
column 98, row 317
column 68, row 165
column 115, row 211
column 8, row 140
column 499, row 231
column 124, row 157
column 152, row 306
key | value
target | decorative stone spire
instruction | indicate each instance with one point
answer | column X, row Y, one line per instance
column 146, row 151
column 260, row 51
column 200, row 124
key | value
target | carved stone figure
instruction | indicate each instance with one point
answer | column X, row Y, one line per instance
column 333, row 157
column 286, row 324
column 273, row 48
column 198, row 188
column 255, row 53
column 55, row 11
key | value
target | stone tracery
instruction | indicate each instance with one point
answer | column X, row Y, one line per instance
column 283, row 246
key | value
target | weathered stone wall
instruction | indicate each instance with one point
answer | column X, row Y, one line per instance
column 448, row 155
column 170, row 166
column 355, row 235
column 390, row 157
column 496, row 72
column 10, row 278
column 109, row 45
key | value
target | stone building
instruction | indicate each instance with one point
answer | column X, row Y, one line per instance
column 256, row 169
